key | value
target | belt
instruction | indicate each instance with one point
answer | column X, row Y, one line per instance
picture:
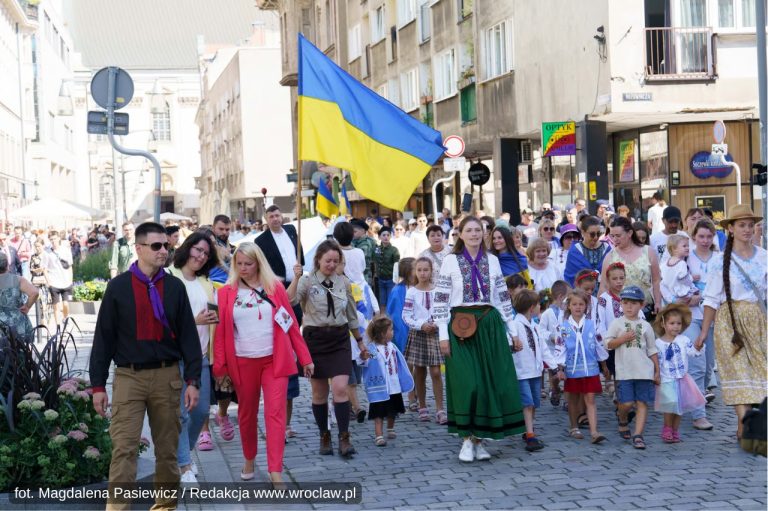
column 150, row 365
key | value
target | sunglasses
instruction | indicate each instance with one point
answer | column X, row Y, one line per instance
column 156, row 245
column 594, row 234
column 548, row 229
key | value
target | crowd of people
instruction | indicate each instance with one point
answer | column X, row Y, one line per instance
column 603, row 303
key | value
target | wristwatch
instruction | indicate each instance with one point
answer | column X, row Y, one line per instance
column 194, row 383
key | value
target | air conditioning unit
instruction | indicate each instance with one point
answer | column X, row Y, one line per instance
column 526, row 152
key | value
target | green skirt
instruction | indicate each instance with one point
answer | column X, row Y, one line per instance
column 481, row 382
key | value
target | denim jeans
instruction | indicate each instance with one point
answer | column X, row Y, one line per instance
column 701, row 368
column 192, row 420
column 385, row 287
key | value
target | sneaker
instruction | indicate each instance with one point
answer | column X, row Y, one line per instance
column 193, row 468
column 188, row 478
column 480, row 453
column 533, row 444
column 702, row 424
column 467, row 453
column 709, row 396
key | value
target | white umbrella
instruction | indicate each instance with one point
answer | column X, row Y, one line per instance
column 169, row 217
column 55, row 210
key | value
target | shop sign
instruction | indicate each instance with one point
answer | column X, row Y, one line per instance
column 627, row 161
column 716, row 203
column 558, row 138
column 704, row 167
column 637, row 96
column 479, row 174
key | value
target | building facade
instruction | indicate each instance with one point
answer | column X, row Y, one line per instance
column 244, row 125
column 642, row 79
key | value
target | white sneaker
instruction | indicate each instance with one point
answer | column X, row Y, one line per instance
column 188, row 478
column 467, row 453
column 480, row 453
column 193, row 468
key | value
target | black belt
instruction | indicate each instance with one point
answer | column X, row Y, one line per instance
column 150, row 365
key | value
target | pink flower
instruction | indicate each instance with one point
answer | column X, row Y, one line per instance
column 82, row 395
column 66, row 389
column 77, row 435
column 92, row 453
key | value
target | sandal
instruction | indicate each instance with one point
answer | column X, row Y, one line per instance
column 424, row 415
column 204, row 442
column 380, row 441
column 638, row 442
column 554, row 399
column 624, row 433
column 391, row 433
column 413, row 406
column 583, row 420
column 597, row 438
column 575, row 433
column 441, row 417
column 289, row 433
column 226, row 429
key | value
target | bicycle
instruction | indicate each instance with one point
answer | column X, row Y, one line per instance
column 43, row 306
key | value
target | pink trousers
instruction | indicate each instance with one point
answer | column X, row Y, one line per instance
column 258, row 374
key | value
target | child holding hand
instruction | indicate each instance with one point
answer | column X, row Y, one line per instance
column 637, row 363
column 678, row 393
column 550, row 320
column 530, row 354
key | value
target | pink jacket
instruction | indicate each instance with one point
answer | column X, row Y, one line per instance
column 285, row 344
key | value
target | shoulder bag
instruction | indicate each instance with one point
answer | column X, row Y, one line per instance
column 464, row 324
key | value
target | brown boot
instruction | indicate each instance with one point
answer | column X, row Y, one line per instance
column 345, row 445
column 325, row 443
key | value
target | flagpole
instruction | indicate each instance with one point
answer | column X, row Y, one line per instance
column 298, row 214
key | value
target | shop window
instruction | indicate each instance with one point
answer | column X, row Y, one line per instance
column 626, row 161
column 654, row 160
column 468, row 104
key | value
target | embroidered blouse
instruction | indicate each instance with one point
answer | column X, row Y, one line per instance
column 529, row 362
column 454, row 289
column 388, row 357
column 676, row 281
column 755, row 267
column 418, row 306
column 673, row 357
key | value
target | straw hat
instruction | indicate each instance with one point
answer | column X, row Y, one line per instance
column 739, row 212
column 683, row 310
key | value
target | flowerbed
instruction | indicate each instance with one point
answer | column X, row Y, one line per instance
column 90, row 291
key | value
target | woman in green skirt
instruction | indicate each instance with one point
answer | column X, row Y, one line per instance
column 481, row 383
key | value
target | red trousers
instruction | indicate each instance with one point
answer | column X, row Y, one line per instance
column 258, row 375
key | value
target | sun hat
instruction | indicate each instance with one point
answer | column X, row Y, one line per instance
column 739, row 212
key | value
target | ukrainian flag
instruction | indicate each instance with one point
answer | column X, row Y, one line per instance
column 345, row 208
column 345, row 124
column 324, row 204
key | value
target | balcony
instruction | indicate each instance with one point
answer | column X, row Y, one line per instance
column 30, row 8
column 679, row 54
column 268, row 5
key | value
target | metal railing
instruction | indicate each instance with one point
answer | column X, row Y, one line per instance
column 679, row 53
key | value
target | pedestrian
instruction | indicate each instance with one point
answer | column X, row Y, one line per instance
column 14, row 263
column 637, row 363
column 676, row 281
column 488, row 224
column 542, row 270
column 329, row 316
column 221, row 227
column 656, row 211
column 146, row 327
column 579, row 355
column 401, row 241
column 419, row 234
column 257, row 345
column 677, row 393
column 736, row 304
column 192, row 261
column 437, row 249
column 586, row 280
column 528, row 227
column 60, row 277
column 511, row 261
column 609, row 309
column 672, row 223
column 385, row 258
column 589, row 253
column 173, row 232
column 549, row 321
column 569, row 234
column 422, row 352
column 17, row 295
column 643, row 233
column 396, row 303
column 530, row 353
column 549, row 234
column 362, row 241
column 23, row 249
column 124, row 251
column 473, row 312
column 386, row 377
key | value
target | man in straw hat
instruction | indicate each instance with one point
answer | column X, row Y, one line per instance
column 736, row 304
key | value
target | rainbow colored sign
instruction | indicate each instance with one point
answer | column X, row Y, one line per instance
column 558, row 138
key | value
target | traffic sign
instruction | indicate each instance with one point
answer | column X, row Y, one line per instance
column 454, row 164
column 454, row 146
column 718, row 131
column 479, row 174
column 97, row 123
column 123, row 88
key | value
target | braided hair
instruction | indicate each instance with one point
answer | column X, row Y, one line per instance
column 737, row 340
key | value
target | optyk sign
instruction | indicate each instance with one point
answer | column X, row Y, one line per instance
column 704, row 166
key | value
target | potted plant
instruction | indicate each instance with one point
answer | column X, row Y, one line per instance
column 88, row 297
column 467, row 78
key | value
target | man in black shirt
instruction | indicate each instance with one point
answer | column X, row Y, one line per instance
column 146, row 326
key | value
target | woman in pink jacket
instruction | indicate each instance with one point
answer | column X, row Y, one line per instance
column 256, row 347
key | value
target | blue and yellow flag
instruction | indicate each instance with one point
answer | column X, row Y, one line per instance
column 345, row 208
column 325, row 204
column 345, row 124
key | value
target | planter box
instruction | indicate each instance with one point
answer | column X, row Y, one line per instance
column 84, row 307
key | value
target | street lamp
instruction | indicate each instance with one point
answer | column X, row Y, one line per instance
column 157, row 103
column 65, row 107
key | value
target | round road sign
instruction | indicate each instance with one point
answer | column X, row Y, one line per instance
column 123, row 88
column 718, row 131
column 454, row 146
column 479, row 174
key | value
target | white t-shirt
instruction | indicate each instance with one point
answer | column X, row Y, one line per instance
column 198, row 300
column 420, row 241
column 253, row 325
column 659, row 243
column 543, row 279
column 702, row 268
column 59, row 277
column 654, row 216
column 287, row 253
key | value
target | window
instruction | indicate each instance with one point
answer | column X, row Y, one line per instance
column 498, row 49
column 425, row 25
column 330, row 21
column 722, row 15
column 445, row 74
column 464, row 8
column 161, row 124
column 378, row 24
column 406, row 12
column 468, row 104
column 381, row 90
column 353, row 43
column 393, row 91
column 409, row 89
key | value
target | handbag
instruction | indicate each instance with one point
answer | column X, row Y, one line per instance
column 464, row 324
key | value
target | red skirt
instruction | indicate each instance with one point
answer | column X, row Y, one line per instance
column 588, row 385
